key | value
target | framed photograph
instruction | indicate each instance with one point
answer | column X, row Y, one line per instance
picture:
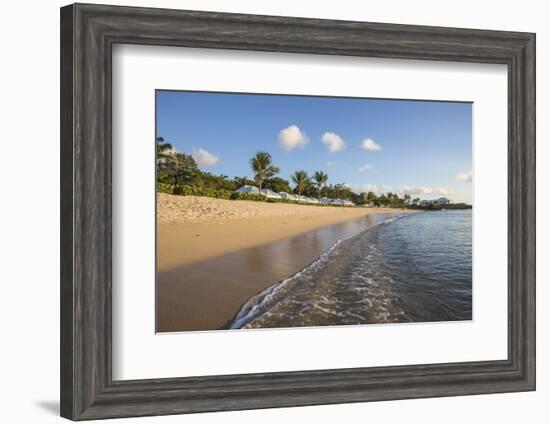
column 264, row 211
column 304, row 234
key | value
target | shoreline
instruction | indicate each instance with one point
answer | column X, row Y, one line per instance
column 222, row 269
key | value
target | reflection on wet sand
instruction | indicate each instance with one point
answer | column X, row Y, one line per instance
column 206, row 295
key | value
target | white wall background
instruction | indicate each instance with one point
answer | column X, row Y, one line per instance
column 29, row 175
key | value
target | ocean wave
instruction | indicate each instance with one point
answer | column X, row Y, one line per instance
column 262, row 301
column 262, row 304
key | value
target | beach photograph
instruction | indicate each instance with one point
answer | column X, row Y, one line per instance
column 283, row 211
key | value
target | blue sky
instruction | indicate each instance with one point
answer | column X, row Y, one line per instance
column 417, row 147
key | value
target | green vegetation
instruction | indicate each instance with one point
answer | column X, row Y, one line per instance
column 165, row 188
column 189, row 190
column 277, row 185
column 370, row 197
column 178, row 173
column 388, row 200
column 261, row 198
column 455, row 206
column 247, row 196
column 163, row 149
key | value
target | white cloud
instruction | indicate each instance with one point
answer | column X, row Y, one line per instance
column 204, row 158
column 365, row 188
column 424, row 191
column 467, row 176
column 369, row 144
column 367, row 168
column 329, row 164
column 333, row 141
column 291, row 138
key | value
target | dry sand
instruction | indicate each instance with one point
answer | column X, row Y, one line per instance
column 191, row 229
column 214, row 255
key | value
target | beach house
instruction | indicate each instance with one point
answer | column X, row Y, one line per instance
column 270, row 194
column 248, row 189
column 439, row 202
column 312, row 200
column 287, row 196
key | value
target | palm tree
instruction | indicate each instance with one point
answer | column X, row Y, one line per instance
column 321, row 180
column 262, row 167
column 301, row 179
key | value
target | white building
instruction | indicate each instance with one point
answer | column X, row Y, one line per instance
column 439, row 202
column 270, row 194
column 248, row 189
column 287, row 196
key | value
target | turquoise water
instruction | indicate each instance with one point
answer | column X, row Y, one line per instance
column 413, row 268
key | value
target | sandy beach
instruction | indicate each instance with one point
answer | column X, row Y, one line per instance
column 214, row 254
column 191, row 229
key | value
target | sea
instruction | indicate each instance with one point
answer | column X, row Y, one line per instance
column 406, row 268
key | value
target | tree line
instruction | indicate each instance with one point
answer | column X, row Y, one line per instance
column 178, row 169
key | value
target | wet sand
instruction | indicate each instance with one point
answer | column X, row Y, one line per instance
column 207, row 293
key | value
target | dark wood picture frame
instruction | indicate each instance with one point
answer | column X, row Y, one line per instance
column 88, row 33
